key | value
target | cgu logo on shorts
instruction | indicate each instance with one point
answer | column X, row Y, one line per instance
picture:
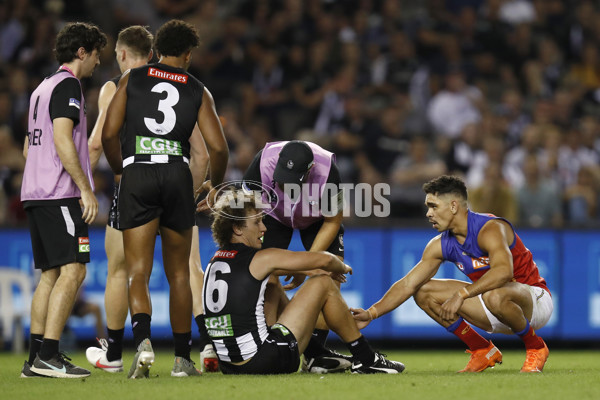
column 84, row 244
column 149, row 145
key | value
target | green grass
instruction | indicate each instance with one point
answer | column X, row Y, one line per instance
column 429, row 375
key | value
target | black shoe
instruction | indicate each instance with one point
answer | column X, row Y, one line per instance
column 26, row 372
column 327, row 363
column 381, row 365
column 58, row 367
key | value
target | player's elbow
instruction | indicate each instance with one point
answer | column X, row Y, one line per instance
column 504, row 276
column 220, row 151
column 96, row 146
column 328, row 261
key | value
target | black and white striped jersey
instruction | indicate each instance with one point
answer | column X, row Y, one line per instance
column 233, row 303
column 162, row 110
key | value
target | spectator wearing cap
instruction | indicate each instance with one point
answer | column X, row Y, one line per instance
column 301, row 182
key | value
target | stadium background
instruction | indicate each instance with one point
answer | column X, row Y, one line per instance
column 504, row 93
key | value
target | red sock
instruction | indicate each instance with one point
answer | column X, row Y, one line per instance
column 531, row 340
column 469, row 336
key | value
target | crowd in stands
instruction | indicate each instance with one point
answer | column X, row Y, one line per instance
column 503, row 92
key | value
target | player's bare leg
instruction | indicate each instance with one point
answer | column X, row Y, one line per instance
column 513, row 306
column 39, row 312
column 208, row 358
column 176, row 254
column 139, row 245
column 62, row 298
column 430, row 298
column 319, row 293
column 108, row 357
column 49, row 362
column 115, row 295
column 316, row 294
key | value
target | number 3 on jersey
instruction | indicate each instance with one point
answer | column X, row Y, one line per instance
column 215, row 290
column 165, row 106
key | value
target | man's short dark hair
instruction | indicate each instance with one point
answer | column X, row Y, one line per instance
column 136, row 38
column 446, row 184
column 228, row 214
column 75, row 35
column 175, row 38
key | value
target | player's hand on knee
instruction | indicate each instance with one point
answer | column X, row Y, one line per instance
column 449, row 310
column 341, row 278
column 296, row 280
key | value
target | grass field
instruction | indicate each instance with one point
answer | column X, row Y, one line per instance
column 429, row 375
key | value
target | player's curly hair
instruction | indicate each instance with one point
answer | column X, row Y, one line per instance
column 175, row 38
column 75, row 35
column 137, row 39
column 446, row 184
column 233, row 209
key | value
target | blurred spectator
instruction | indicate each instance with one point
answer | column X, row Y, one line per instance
column 240, row 159
column 408, row 174
column 581, row 197
column 455, row 106
column 359, row 77
column 349, row 139
column 590, row 133
column 515, row 158
column 331, row 112
column 494, row 195
column 538, row 199
column 385, row 142
column 517, row 12
column 493, row 152
column 572, row 156
column 512, row 116
column 266, row 93
column 459, row 154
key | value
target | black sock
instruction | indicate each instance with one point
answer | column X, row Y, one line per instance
column 35, row 343
column 140, row 324
column 361, row 350
column 48, row 349
column 183, row 344
column 314, row 348
column 204, row 338
column 321, row 335
column 115, row 344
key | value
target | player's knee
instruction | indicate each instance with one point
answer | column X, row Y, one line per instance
column 424, row 295
column 75, row 272
column 494, row 300
column 324, row 282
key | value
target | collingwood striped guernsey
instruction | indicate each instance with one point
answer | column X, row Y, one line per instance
column 162, row 110
column 233, row 303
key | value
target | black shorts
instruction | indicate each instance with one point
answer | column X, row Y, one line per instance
column 149, row 191
column 59, row 236
column 277, row 355
column 113, row 214
column 279, row 236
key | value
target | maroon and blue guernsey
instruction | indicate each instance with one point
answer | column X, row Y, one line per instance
column 45, row 177
column 474, row 262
